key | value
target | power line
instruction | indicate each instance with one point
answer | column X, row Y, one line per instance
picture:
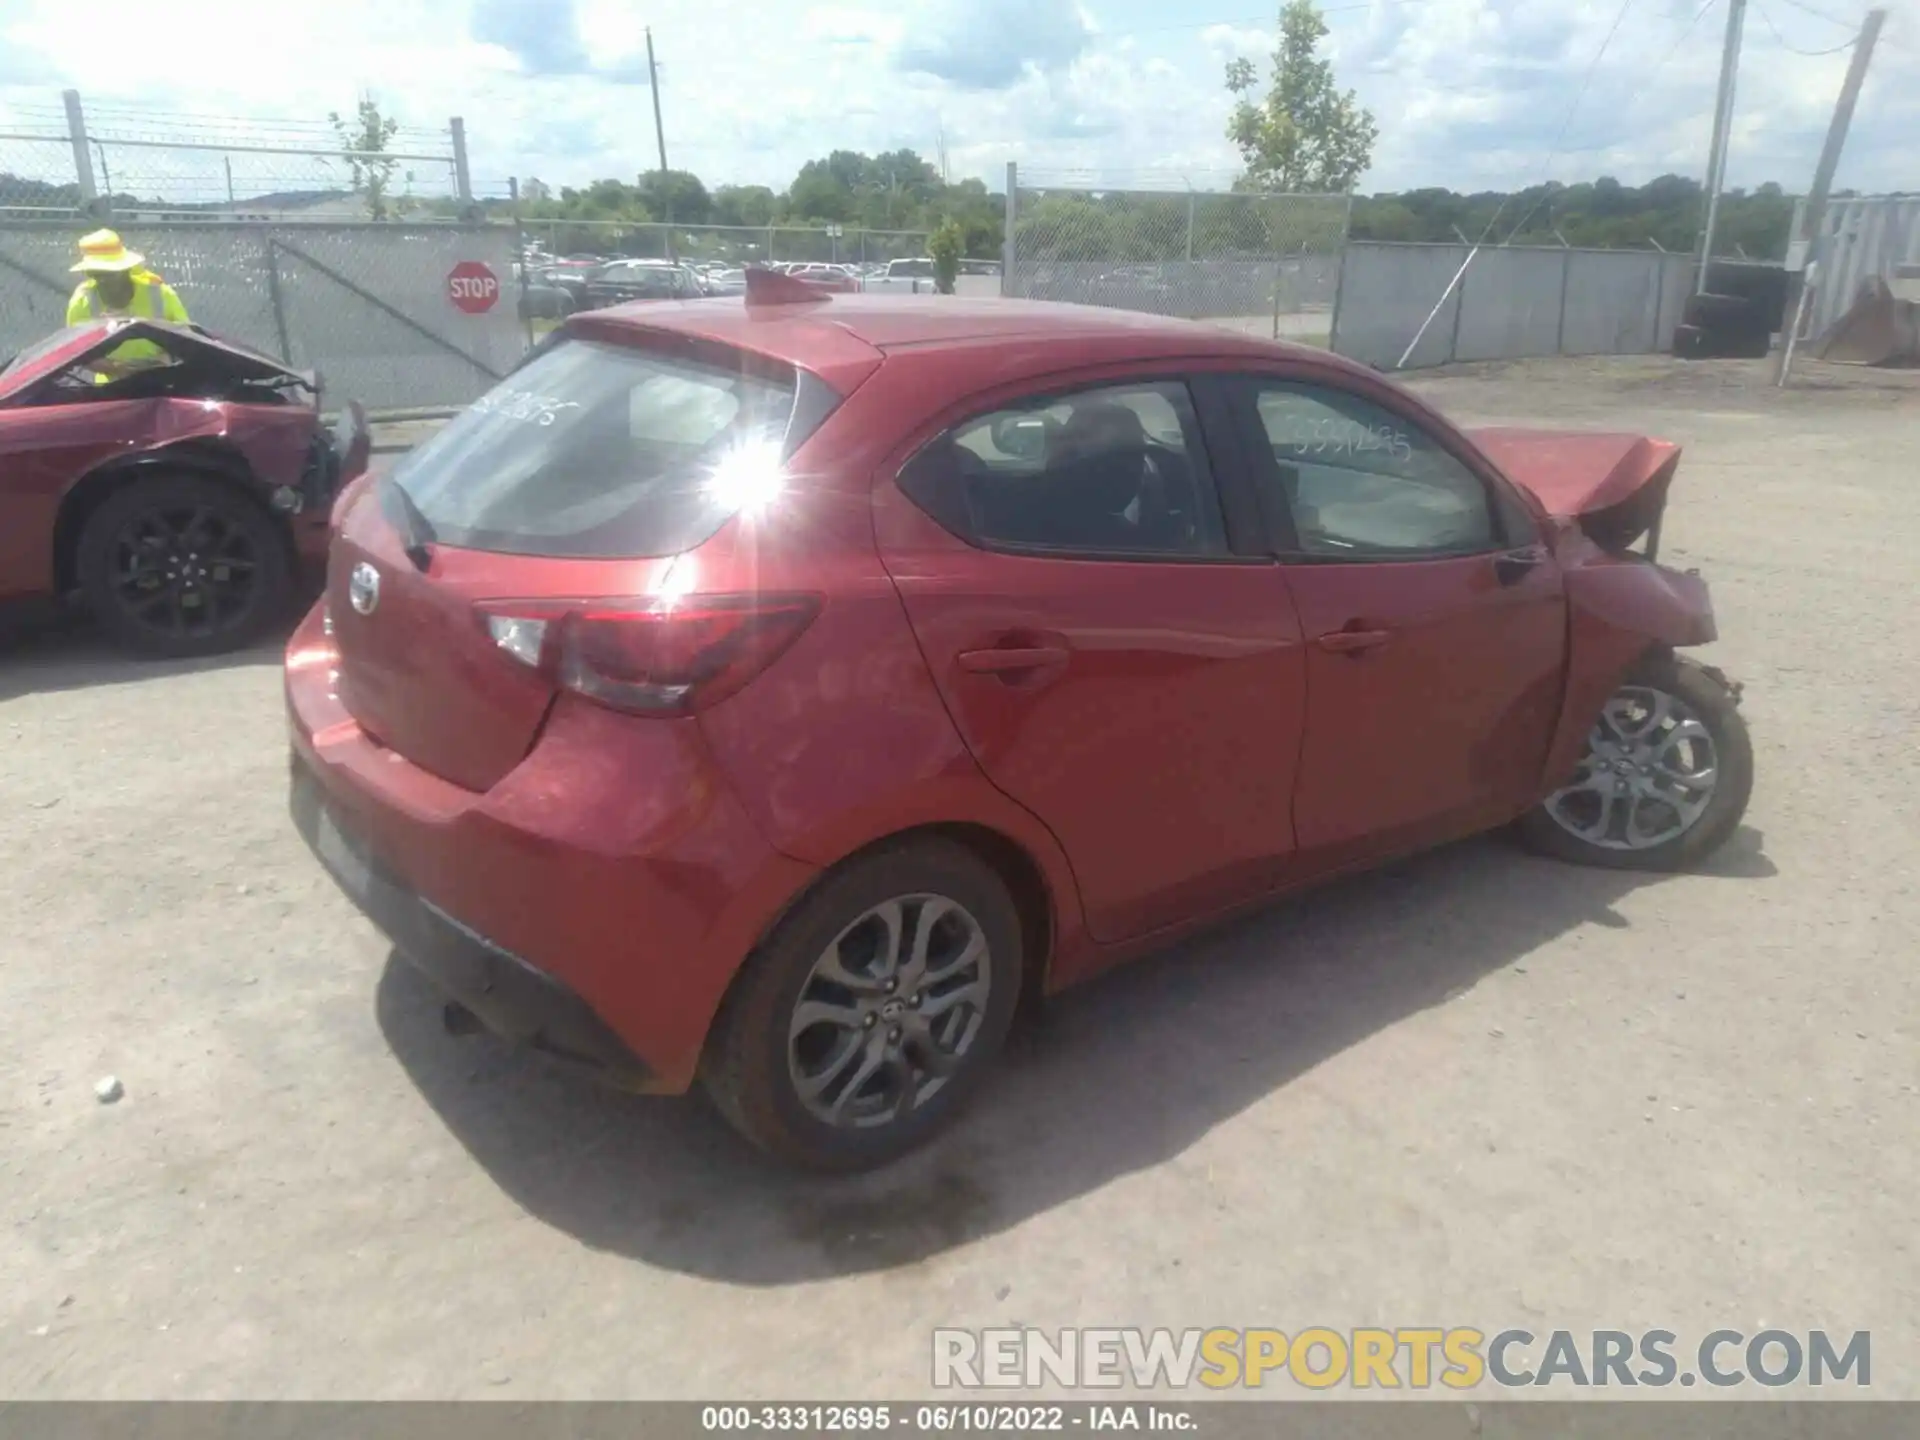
column 1646, row 82
column 1820, row 14
column 1572, row 109
column 1768, row 20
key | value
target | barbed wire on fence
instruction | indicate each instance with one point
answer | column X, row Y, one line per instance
column 153, row 164
column 1176, row 180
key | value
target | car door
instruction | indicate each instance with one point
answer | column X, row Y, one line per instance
column 1110, row 659
column 1433, row 614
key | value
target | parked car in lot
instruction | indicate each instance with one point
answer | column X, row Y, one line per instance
column 543, row 299
column 778, row 695
column 627, row 280
column 179, row 500
column 569, row 282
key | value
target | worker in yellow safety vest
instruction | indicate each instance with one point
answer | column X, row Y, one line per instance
column 118, row 285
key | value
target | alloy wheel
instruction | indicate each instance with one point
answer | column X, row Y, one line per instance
column 889, row 1011
column 187, row 572
column 1647, row 776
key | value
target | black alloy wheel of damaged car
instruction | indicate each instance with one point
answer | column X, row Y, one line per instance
column 177, row 565
column 1665, row 776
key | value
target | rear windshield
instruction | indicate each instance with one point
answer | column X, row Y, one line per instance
column 597, row 451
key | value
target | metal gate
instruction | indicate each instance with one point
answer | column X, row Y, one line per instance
column 370, row 306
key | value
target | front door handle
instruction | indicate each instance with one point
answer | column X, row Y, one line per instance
column 1516, row 565
column 1353, row 642
column 1012, row 659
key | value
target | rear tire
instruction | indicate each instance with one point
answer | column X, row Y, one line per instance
column 177, row 565
column 1620, row 792
column 819, row 1060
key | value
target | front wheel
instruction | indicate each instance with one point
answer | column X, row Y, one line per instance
column 1663, row 781
column 872, row 1012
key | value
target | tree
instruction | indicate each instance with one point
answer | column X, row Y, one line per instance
column 364, row 142
column 1305, row 135
column 824, row 189
column 945, row 247
column 753, row 205
column 677, row 195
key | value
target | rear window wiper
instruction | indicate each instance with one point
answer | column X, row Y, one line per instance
column 419, row 530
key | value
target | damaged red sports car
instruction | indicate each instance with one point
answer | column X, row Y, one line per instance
column 175, row 483
column 779, row 694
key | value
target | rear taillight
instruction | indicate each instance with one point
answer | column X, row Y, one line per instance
column 651, row 657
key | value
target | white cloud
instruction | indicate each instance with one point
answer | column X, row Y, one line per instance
column 1468, row 93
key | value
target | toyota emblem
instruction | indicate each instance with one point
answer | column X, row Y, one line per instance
column 363, row 588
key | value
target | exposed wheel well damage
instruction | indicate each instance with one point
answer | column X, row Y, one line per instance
column 211, row 459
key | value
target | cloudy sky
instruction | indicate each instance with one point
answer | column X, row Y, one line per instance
column 1469, row 93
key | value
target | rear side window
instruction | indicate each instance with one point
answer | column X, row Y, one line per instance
column 1116, row 472
column 602, row 451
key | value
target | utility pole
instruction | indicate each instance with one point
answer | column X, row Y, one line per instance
column 1722, row 129
column 1814, row 213
column 660, row 134
column 653, row 82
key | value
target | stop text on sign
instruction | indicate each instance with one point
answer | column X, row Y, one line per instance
column 473, row 287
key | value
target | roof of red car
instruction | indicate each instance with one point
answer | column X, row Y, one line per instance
column 845, row 328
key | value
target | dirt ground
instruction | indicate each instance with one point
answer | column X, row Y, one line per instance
column 1477, row 1089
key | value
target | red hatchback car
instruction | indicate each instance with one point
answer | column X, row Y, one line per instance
column 776, row 694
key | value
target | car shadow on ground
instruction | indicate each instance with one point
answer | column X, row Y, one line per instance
column 43, row 650
column 1117, row 1076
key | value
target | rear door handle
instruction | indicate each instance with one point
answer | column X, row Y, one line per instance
column 1012, row 659
column 1352, row 642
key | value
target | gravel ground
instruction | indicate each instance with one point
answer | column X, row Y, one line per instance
column 1476, row 1089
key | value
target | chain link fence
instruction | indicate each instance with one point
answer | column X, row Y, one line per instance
column 1264, row 263
column 369, row 306
column 36, row 161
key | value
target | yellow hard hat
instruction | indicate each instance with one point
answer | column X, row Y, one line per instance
column 103, row 250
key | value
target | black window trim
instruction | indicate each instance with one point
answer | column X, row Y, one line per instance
column 1243, row 387
column 1204, row 440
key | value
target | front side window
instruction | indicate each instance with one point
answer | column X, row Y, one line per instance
column 1115, row 471
column 1361, row 481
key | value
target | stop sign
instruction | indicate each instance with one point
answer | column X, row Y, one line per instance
column 473, row 287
